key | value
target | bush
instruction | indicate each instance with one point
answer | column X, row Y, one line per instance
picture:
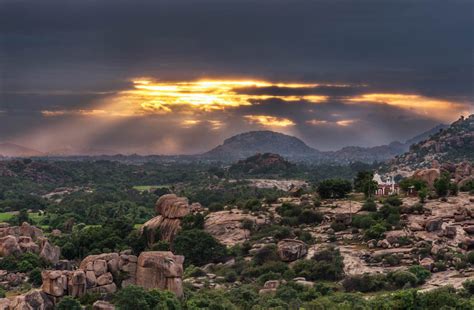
column 215, row 207
column 365, row 283
column 310, row 217
column 401, row 279
column 325, row 265
column 35, row 277
column 68, row 303
column 375, row 232
column 265, row 254
column 363, row 221
column 337, row 226
column 198, row 247
column 193, row 221
column 470, row 257
column 369, row 205
column 421, row 273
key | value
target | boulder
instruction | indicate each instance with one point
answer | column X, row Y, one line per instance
column 9, row 246
column 226, row 226
column 49, row 252
column 102, row 305
column 433, row 224
column 394, row 236
column 100, row 267
column 77, row 283
column 269, row 287
column 427, row 263
column 162, row 270
column 30, row 231
column 33, row 300
column 450, row 232
column 469, row 229
column 55, row 282
column 27, row 245
column 290, row 250
column 427, row 175
column 105, row 279
column 172, row 206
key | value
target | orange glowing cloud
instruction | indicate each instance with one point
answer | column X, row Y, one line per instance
column 342, row 123
column 53, row 113
column 428, row 107
column 270, row 121
column 205, row 95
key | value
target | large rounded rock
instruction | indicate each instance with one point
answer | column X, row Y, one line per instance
column 162, row 270
column 290, row 250
column 427, row 175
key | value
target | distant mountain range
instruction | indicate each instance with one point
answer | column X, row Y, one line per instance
column 247, row 144
column 15, row 150
column 250, row 143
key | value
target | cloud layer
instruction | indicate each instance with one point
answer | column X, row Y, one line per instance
column 179, row 77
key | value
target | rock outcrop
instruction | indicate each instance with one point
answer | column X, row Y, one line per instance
column 290, row 250
column 15, row 240
column 427, row 175
column 227, row 228
column 171, row 210
column 162, row 270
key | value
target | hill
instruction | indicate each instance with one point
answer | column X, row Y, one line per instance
column 452, row 144
column 15, row 150
column 266, row 163
column 250, row 143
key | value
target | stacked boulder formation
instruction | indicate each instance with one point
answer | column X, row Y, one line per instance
column 101, row 274
column 171, row 210
column 15, row 240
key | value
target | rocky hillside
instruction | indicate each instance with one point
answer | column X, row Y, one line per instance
column 250, row 143
column 261, row 164
column 453, row 144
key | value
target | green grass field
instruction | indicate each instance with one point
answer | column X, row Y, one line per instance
column 142, row 188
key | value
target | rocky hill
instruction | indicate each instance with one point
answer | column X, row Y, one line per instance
column 452, row 144
column 250, row 143
column 261, row 164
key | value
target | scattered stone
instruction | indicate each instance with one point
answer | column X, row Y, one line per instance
column 290, row 250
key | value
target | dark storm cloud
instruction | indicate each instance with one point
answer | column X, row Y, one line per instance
column 69, row 55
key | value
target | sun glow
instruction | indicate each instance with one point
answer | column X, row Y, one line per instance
column 208, row 95
column 270, row 121
column 434, row 108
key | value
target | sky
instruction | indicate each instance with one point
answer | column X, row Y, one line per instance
column 178, row 77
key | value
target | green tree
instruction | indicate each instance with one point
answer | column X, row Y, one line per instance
column 364, row 183
column 68, row 303
column 131, row 297
column 442, row 185
column 334, row 188
column 198, row 247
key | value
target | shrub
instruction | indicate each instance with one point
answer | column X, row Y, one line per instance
column 337, row 226
column 421, row 273
column 363, row 221
column 369, row 205
column 35, row 277
column 193, row 221
column 469, row 286
column 310, row 217
column 325, row 265
column 394, row 201
column 392, row 260
column 365, row 283
column 68, row 303
column 161, row 246
column 401, row 278
column 375, row 232
column 198, row 247
column 265, row 254
column 470, row 257
column 215, row 207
